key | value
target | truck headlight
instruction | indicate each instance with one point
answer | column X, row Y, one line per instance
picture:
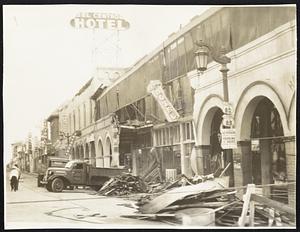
column 50, row 173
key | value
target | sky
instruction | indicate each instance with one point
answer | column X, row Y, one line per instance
column 46, row 60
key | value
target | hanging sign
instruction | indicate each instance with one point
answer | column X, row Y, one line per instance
column 227, row 121
column 108, row 21
column 254, row 144
column 228, row 139
column 227, row 108
column 155, row 88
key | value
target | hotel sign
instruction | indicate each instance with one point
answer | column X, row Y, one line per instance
column 155, row 88
column 107, row 21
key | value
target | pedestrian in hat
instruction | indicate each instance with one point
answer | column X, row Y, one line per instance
column 14, row 178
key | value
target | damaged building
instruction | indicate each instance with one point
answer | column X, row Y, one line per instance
column 121, row 122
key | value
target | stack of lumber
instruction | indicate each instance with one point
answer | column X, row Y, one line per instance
column 123, row 185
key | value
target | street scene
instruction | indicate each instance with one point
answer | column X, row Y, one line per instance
column 132, row 116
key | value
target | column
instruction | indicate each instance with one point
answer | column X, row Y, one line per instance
column 244, row 149
column 266, row 164
column 243, row 176
column 203, row 159
column 291, row 161
column 183, row 160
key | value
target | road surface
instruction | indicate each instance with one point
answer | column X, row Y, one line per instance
column 33, row 207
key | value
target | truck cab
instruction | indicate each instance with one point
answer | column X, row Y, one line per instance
column 55, row 162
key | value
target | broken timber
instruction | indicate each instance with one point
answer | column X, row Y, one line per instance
column 166, row 199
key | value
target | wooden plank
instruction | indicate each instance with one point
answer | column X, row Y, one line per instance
column 246, row 198
column 197, row 205
column 273, row 204
column 252, row 213
column 176, row 194
column 225, row 169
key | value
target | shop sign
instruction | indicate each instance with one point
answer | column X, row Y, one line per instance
column 155, row 88
column 228, row 139
column 254, row 144
column 104, row 21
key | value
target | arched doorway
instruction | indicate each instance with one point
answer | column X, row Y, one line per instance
column 99, row 157
column 93, row 154
column 108, row 155
column 267, row 146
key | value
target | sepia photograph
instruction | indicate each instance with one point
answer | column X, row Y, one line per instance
column 149, row 116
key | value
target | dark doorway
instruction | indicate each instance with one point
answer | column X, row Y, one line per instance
column 216, row 159
column 268, row 150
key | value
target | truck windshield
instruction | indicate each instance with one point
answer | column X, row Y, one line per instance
column 69, row 164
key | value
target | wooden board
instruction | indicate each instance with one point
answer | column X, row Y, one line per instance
column 173, row 195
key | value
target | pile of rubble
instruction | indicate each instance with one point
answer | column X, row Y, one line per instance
column 123, row 185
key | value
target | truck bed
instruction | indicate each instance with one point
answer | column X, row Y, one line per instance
column 101, row 175
column 106, row 171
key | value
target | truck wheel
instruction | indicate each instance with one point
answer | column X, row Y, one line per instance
column 48, row 187
column 57, row 185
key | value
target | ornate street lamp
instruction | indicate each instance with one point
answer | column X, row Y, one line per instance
column 201, row 57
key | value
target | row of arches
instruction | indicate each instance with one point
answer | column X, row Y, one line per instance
column 261, row 118
column 244, row 111
column 97, row 154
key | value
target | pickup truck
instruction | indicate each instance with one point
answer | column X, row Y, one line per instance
column 78, row 173
column 51, row 162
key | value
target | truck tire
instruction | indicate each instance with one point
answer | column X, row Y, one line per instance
column 57, row 185
column 48, row 187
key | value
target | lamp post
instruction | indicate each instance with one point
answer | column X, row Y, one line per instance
column 201, row 57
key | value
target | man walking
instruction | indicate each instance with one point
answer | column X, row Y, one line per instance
column 14, row 178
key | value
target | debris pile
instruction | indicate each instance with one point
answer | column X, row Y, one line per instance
column 179, row 203
column 123, row 185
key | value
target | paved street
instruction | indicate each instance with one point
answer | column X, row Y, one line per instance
column 33, row 207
